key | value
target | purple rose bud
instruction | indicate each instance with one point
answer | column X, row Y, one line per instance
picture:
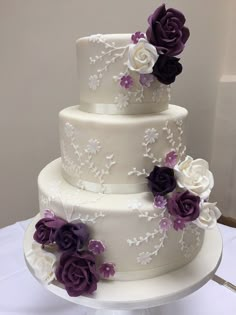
column 161, row 180
column 46, row 229
column 166, row 69
column 77, row 271
column 167, row 31
column 184, row 205
column 107, row 270
column 72, row 237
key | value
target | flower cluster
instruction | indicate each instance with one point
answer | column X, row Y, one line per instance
column 153, row 55
column 183, row 188
column 69, row 255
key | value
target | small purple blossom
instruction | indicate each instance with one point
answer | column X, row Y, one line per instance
column 107, row 270
column 48, row 214
column 178, row 224
column 126, row 81
column 171, row 159
column 146, row 79
column 136, row 37
column 165, row 224
column 160, row 202
column 96, row 247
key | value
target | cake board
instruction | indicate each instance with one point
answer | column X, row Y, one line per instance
column 136, row 297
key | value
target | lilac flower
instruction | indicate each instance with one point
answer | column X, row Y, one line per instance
column 179, row 224
column 165, row 224
column 160, row 202
column 146, row 79
column 48, row 214
column 136, row 37
column 96, row 247
column 171, row 159
column 107, row 270
column 126, row 81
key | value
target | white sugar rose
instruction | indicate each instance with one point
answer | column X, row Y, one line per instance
column 142, row 57
column 209, row 214
column 43, row 263
column 195, row 176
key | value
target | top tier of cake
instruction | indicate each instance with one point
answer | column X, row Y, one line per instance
column 107, row 83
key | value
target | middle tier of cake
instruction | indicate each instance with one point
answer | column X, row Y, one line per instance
column 115, row 153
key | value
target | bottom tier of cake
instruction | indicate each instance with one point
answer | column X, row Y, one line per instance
column 137, row 240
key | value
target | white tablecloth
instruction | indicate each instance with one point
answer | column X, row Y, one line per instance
column 21, row 294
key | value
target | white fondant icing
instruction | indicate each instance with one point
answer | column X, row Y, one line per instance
column 102, row 61
column 126, row 145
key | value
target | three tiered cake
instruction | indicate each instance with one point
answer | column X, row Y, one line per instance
column 124, row 201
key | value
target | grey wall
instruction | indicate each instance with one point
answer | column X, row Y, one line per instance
column 38, row 78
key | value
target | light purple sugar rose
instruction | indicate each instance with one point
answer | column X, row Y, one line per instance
column 77, row 271
column 46, row 229
column 167, row 31
column 184, row 205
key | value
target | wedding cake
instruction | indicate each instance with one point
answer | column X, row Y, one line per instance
column 124, row 201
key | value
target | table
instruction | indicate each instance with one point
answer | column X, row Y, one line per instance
column 21, row 294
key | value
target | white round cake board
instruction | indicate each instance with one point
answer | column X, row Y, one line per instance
column 139, row 295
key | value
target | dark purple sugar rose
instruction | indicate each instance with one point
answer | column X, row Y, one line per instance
column 77, row 271
column 167, row 31
column 161, row 180
column 71, row 237
column 166, row 69
column 46, row 229
column 184, row 205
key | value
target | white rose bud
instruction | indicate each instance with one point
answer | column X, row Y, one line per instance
column 42, row 263
column 209, row 214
